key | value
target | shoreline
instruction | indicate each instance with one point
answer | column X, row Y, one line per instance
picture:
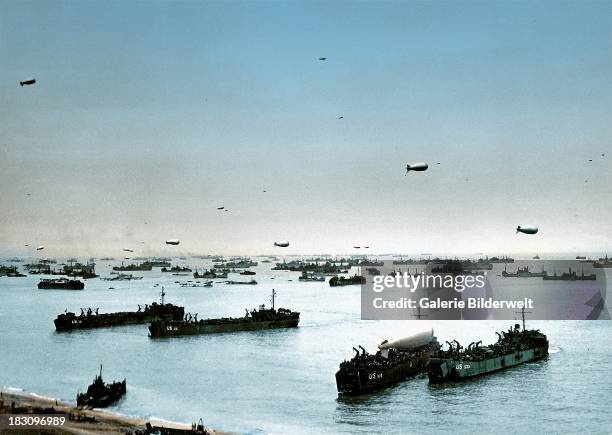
column 86, row 421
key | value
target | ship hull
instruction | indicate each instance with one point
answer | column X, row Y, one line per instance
column 440, row 370
column 366, row 380
column 55, row 286
column 162, row 330
column 107, row 320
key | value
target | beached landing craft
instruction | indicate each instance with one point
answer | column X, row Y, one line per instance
column 264, row 318
column 99, row 394
column 394, row 361
column 513, row 347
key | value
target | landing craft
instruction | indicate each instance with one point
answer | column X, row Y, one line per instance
column 322, row 58
column 281, row 244
column 40, row 248
column 128, row 250
column 418, row 166
column 356, row 247
column 173, row 242
column 28, row 82
column 527, row 229
column 220, row 208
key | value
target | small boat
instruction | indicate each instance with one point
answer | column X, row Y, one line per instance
column 251, row 282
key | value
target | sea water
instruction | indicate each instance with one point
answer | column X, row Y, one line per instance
column 282, row 381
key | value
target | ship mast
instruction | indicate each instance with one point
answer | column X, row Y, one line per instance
column 273, row 295
column 163, row 293
column 418, row 315
column 523, row 312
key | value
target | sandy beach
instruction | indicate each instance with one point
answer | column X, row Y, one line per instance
column 83, row 421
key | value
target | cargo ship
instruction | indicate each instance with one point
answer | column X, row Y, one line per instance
column 337, row 281
column 523, row 272
column 100, row 394
column 513, row 347
column 264, row 318
column 61, row 284
column 570, row 276
column 393, row 362
column 91, row 319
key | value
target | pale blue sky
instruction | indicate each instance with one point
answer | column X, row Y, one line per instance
column 159, row 112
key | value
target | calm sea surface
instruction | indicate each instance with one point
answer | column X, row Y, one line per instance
column 283, row 381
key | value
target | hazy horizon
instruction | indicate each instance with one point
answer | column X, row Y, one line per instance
column 146, row 117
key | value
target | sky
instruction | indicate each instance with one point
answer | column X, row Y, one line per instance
column 147, row 116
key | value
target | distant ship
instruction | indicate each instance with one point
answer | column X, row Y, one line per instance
column 176, row 269
column 122, row 277
column 372, row 271
column 570, row 276
column 501, row 260
column 241, row 263
column 100, row 395
column 209, row 274
column 392, row 363
column 456, row 267
column 603, row 263
column 196, row 284
column 11, row 272
column 157, row 262
column 337, row 281
column 311, row 277
column 537, row 257
column 523, row 272
column 91, row 319
column 264, row 318
column 247, row 272
column 251, row 282
column 133, row 268
column 513, row 347
column 373, row 263
column 61, row 284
